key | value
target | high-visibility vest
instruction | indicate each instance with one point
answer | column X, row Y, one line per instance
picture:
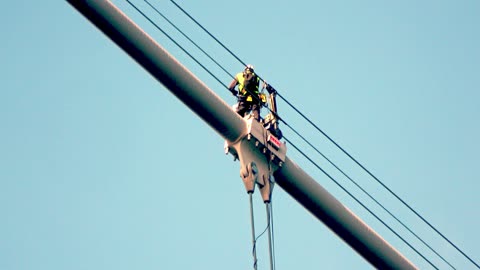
column 241, row 84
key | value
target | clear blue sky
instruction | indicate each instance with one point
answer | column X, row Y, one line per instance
column 102, row 168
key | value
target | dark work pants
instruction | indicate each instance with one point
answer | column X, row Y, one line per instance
column 246, row 106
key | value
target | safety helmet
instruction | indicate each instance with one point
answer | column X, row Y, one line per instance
column 249, row 67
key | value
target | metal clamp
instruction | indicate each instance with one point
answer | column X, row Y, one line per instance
column 260, row 154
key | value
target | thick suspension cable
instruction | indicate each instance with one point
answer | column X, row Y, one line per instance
column 359, row 202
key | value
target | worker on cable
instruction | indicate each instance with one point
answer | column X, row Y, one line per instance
column 248, row 96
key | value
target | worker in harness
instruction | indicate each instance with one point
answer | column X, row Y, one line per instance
column 249, row 98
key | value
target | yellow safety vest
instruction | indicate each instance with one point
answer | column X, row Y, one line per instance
column 241, row 84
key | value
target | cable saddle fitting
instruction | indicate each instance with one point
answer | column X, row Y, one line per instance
column 260, row 154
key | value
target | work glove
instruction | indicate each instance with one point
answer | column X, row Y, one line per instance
column 234, row 92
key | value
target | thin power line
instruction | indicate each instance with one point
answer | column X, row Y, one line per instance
column 337, row 145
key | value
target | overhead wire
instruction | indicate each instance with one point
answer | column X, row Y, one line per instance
column 225, row 86
column 337, row 145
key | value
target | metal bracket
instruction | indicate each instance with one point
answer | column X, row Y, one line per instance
column 260, row 154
